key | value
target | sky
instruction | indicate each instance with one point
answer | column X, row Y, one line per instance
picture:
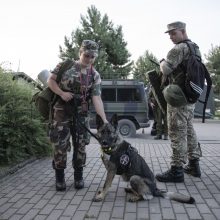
column 33, row 30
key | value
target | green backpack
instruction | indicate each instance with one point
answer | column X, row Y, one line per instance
column 46, row 98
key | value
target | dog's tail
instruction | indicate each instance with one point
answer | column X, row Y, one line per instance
column 175, row 196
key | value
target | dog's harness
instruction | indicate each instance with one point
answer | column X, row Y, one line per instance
column 123, row 158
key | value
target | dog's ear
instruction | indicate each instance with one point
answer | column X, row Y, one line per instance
column 99, row 121
column 114, row 121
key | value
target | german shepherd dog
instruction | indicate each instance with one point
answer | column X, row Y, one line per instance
column 120, row 158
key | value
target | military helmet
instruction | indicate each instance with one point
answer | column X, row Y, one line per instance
column 174, row 95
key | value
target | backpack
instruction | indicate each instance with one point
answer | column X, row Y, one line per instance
column 196, row 74
column 45, row 99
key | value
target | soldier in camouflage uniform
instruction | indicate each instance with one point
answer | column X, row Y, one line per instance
column 180, row 112
column 153, row 106
column 79, row 85
column 160, row 119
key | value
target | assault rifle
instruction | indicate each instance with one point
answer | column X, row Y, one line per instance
column 154, row 62
column 27, row 79
column 155, row 80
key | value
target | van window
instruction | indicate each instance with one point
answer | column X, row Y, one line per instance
column 109, row 95
column 129, row 95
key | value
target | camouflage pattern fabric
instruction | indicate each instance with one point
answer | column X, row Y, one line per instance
column 89, row 46
column 156, row 89
column 182, row 134
column 161, row 126
column 71, row 79
column 180, row 119
column 172, row 65
column 175, row 25
column 159, row 117
column 67, row 117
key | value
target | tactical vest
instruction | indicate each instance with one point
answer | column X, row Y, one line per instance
column 123, row 159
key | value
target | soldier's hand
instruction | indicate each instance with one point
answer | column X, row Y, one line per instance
column 152, row 105
column 67, row 96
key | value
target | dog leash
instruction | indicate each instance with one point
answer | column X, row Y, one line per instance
column 82, row 125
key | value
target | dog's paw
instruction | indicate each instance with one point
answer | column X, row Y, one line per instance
column 147, row 197
column 135, row 198
column 128, row 190
column 98, row 197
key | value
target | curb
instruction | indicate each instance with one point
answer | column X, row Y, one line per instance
column 12, row 169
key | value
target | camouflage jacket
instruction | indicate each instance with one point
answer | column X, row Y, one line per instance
column 76, row 82
column 173, row 66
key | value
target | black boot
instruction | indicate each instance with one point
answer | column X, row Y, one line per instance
column 193, row 168
column 78, row 177
column 174, row 174
column 158, row 137
column 60, row 180
column 165, row 137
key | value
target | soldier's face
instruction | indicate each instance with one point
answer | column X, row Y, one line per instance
column 176, row 36
column 86, row 59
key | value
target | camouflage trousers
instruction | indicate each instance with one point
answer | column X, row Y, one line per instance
column 62, row 129
column 161, row 119
column 183, row 137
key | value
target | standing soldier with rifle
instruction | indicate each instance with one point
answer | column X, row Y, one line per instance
column 160, row 116
column 159, row 103
column 79, row 85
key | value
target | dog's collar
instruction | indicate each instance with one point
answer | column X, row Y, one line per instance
column 106, row 150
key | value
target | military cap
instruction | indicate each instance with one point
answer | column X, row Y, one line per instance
column 175, row 25
column 90, row 47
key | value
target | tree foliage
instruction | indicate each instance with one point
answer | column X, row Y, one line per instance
column 143, row 65
column 22, row 134
column 113, row 60
column 213, row 65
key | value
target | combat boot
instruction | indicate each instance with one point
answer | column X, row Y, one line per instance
column 154, row 130
column 158, row 137
column 78, row 178
column 165, row 137
column 60, row 180
column 174, row 174
column 193, row 168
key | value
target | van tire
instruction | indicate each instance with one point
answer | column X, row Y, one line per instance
column 126, row 128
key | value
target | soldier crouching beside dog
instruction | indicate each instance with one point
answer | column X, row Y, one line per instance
column 179, row 111
column 79, row 85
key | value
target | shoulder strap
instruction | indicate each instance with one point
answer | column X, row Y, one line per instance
column 93, row 73
column 65, row 66
column 208, row 89
column 191, row 47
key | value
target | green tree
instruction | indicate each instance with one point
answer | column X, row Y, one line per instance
column 143, row 65
column 113, row 60
column 213, row 65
